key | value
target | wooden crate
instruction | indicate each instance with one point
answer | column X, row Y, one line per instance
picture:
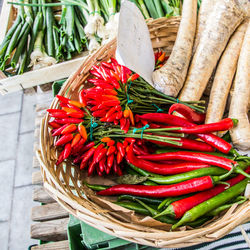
column 36, row 77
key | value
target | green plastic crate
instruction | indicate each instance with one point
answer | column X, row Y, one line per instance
column 83, row 236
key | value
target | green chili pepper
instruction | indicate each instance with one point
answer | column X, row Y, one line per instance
column 172, row 179
column 96, row 187
column 209, row 205
column 153, row 201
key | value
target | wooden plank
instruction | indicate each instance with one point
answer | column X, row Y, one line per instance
column 54, row 230
column 41, row 76
column 48, row 212
column 42, row 196
column 6, row 19
column 59, row 245
column 37, row 178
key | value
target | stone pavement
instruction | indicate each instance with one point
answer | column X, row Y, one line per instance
column 17, row 121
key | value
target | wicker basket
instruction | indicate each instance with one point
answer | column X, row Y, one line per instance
column 65, row 185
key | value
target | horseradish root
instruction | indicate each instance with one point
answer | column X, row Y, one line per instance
column 170, row 78
column 241, row 95
column 221, row 23
column 224, row 76
column 204, row 11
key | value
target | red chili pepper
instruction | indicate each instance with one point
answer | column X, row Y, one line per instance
column 222, row 125
column 111, row 143
column 114, row 61
column 91, row 168
column 87, row 157
column 119, row 158
column 133, row 77
column 54, row 110
column 54, row 124
column 119, row 171
column 75, row 108
column 110, row 160
column 76, row 139
column 119, row 115
column 161, row 58
column 99, row 113
column 186, row 187
column 138, row 150
column 188, row 144
column 68, row 110
column 165, row 119
column 76, row 114
column 97, row 151
column 192, row 156
column 130, row 140
column 82, row 131
column 68, row 120
column 63, row 99
column 131, row 117
column 217, row 143
column 88, row 146
column 111, row 150
column 120, row 148
column 101, row 154
column 126, row 113
column 209, row 138
column 69, row 129
column 107, row 65
column 123, row 74
column 58, row 131
column 162, row 169
column 115, row 76
column 110, row 92
column 64, row 139
column 60, row 158
column 67, row 151
column 60, row 114
column 110, row 112
column 187, row 112
column 105, row 139
column 82, row 99
column 111, row 118
column 178, row 208
column 122, row 123
column 102, row 164
column 116, row 122
column 127, row 126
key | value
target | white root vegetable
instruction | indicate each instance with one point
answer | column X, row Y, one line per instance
column 241, row 95
column 222, row 22
column 224, row 76
column 204, row 11
column 170, row 78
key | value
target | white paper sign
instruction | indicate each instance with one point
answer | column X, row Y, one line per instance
column 134, row 47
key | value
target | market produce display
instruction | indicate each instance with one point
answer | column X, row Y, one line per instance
column 47, row 32
column 166, row 160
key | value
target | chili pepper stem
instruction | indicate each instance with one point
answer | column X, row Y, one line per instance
column 150, row 209
column 167, row 211
column 240, row 171
column 224, row 176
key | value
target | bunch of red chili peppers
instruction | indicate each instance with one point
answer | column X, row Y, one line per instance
column 184, row 164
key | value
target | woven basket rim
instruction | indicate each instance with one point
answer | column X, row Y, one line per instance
column 91, row 213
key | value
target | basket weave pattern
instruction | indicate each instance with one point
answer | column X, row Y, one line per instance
column 65, row 184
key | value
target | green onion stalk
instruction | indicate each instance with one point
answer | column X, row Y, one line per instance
column 95, row 27
column 111, row 27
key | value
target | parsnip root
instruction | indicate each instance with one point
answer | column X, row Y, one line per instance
column 170, row 78
column 222, row 22
column 224, row 76
column 241, row 95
